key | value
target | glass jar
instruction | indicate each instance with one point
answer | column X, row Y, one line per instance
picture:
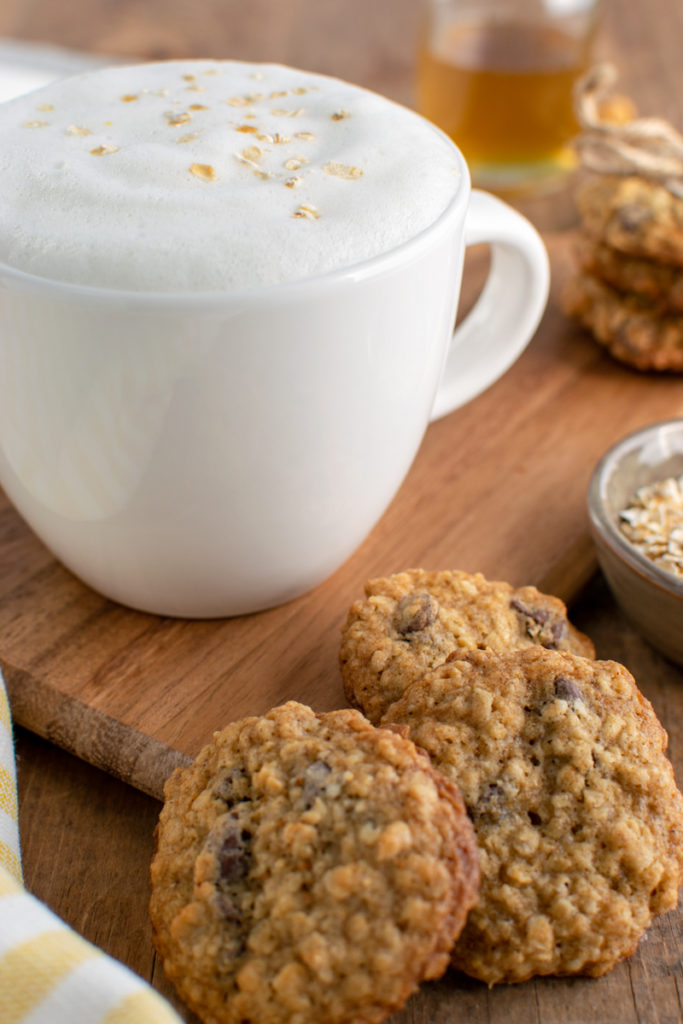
column 498, row 77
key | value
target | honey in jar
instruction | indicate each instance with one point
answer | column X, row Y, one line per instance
column 503, row 91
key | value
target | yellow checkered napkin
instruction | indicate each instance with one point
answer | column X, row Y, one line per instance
column 48, row 973
column 9, row 817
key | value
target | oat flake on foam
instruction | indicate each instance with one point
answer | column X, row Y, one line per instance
column 178, row 176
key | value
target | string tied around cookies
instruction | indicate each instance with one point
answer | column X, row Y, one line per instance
column 647, row 146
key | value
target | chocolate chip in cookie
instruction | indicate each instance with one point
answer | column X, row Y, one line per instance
column 410, row 622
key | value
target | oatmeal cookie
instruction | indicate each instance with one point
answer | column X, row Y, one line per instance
column 660, row 283
column 561, row 763
column 410, row 622
column 634, row 330
column 633, row 215
column 310, row 869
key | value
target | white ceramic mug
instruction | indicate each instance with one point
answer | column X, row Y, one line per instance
column 207, row 455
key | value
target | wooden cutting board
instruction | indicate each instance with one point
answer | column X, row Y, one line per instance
column 498, row 486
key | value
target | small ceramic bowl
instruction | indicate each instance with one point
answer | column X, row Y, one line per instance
column 651, row 597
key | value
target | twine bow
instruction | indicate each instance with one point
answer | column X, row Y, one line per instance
column 646, row 146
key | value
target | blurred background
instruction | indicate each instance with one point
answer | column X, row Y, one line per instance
column 371, row 42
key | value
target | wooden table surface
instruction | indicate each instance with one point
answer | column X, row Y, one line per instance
column 87, row 838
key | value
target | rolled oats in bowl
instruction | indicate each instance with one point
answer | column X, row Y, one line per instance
column 653, row 523
column 635, row 507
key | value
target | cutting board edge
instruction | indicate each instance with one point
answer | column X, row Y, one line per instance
column 91, row 735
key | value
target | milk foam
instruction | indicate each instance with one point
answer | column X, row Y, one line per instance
column 211, row 176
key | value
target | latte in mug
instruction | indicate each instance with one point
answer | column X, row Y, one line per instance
column 212, row 176
column 227, row 296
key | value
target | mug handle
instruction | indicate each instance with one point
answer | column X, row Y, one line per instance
column 509, row 309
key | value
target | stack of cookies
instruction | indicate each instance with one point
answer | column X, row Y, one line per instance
column 628, row 289
column 503, row 804
column 559, row 758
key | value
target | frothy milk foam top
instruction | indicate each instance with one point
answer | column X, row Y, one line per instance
column 211, row 176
